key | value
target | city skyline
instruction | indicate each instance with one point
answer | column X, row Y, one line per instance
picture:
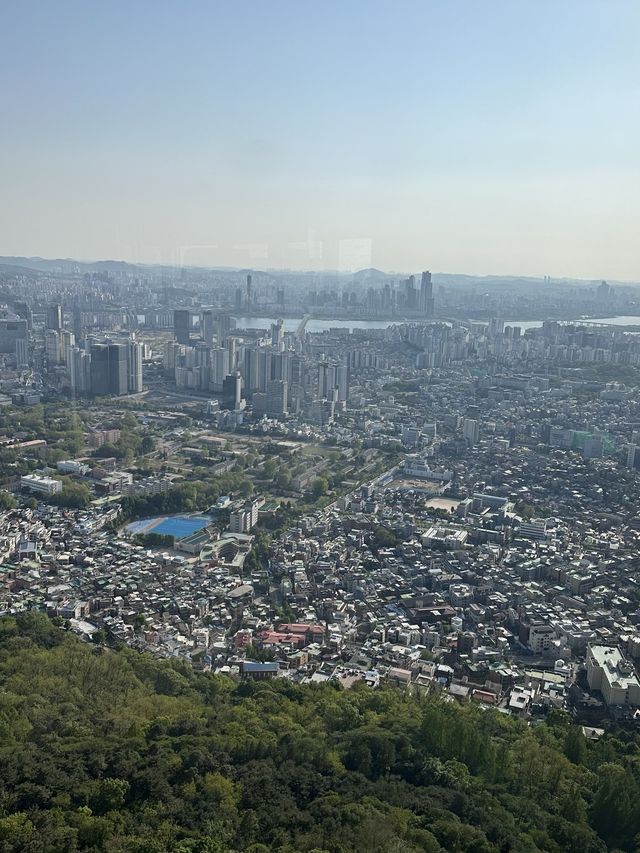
column 491, row 140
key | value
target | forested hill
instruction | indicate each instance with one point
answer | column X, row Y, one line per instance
column 115, row 751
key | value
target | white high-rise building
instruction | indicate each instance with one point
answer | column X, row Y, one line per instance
column 134, row 367
column 80, row 370
column 219, row 368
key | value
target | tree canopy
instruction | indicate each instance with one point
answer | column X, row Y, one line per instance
column 115, row 751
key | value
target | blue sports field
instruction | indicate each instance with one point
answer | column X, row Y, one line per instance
column 177, row 526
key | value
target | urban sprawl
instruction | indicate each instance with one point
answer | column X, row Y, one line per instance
column 346, row 478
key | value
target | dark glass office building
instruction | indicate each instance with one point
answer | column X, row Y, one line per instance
column 108, row 370
column 182, row 325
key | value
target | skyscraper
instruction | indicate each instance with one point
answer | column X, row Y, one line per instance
column 22, row 352
column 54, row 316
column 426, row 295
column 182, row 325
column 207, row 327
column 171, row 351
column 219, row 368
column 277, row 334
column 250, row 369
column 410, row 292
column 80, row 371
column 52, row 348
column 225, row 324
column 12, row 329
column 342, row 382
column 264, row 368
column 232, row 391
column 276, row 404
column 324, row 379
column 232, row 350
column 67, row 340
column 134, row 367
column 108, row 369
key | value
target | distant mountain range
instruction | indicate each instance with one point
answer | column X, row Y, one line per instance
column 14, row 265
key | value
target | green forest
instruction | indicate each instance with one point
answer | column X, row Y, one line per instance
column 112, row 750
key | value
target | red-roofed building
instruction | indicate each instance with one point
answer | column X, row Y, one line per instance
column 311, row 633
column 281, row 638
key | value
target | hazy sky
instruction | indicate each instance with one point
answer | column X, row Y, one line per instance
column 478, row 136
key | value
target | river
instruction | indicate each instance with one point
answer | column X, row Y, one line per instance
column 291, row 323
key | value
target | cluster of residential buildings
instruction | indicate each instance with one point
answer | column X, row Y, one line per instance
column 480, row 532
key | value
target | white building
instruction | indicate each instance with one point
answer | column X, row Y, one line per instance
column 415, row 466
column 440, row 536
column 534, row 529
column 41, row 485
column 613, row 675
column 245, row 518
column 541, row 638
column 71, row 466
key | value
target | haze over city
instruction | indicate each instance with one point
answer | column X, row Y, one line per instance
column 479, row 138
column 320, row 427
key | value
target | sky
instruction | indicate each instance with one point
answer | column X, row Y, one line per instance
column 471, row 136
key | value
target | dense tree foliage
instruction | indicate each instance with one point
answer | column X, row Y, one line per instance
column 74, row 495
column 383, row 538
column 114, row 751
column 7, row 500
column 319, row 487
column 184, row 496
